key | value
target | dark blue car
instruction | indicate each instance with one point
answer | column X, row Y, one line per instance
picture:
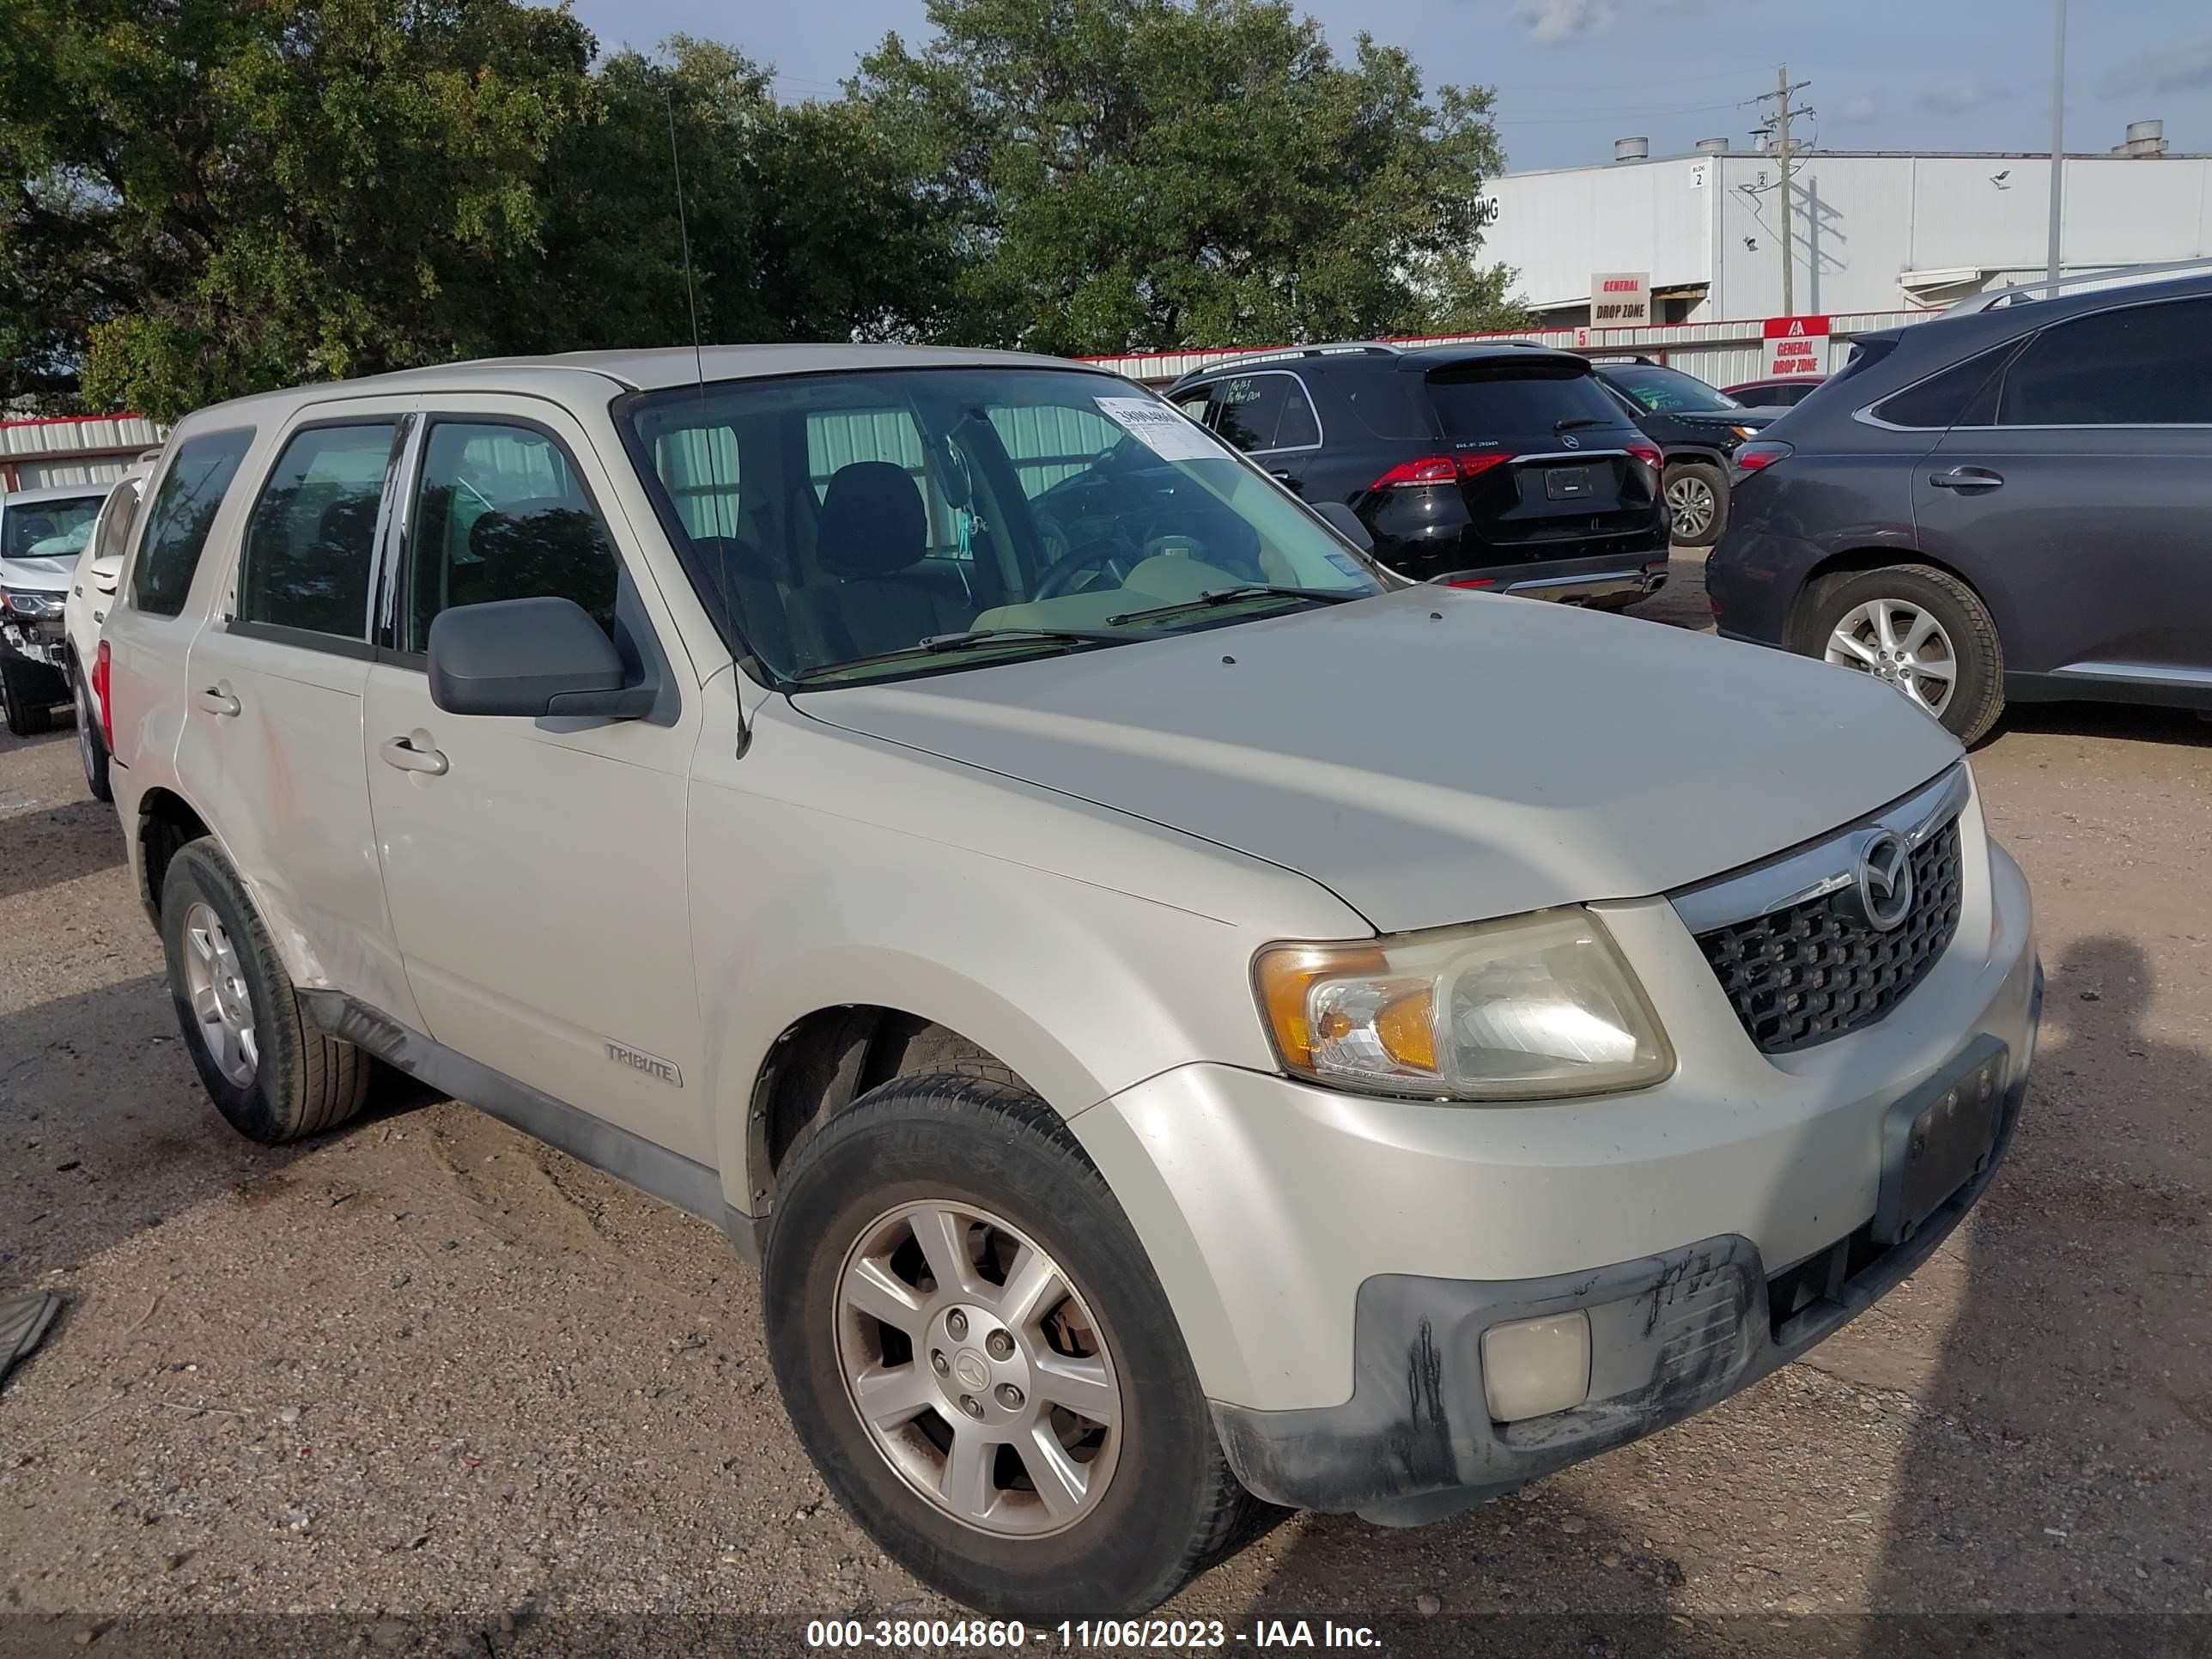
column 2010, row 503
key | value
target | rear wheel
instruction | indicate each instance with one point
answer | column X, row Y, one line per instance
column 91, row 747
column 269, row 1070
column 1923, row 632
column 1697, row 503
column 979, row 1357
column 24, row 700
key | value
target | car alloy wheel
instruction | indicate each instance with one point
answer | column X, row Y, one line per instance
column 1900, row 644
column 220, row 1001
column 1690, row 508
column 977, row 1371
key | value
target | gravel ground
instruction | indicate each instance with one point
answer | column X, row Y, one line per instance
column 429, row 1373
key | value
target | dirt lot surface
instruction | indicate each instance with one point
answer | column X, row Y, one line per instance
column 425, row 1370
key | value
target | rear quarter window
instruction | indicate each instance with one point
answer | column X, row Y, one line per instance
column 185, row 503
column 1519, row 398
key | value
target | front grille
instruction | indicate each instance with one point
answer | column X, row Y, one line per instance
column 1810, row 972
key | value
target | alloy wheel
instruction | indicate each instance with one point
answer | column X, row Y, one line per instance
column 1690, row 508
column 977, row 1371
column 219, row 999
column 1901, row 644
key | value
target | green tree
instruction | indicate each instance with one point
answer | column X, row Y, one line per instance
column 803, row 222
column 211, row 196
column 1150, row 174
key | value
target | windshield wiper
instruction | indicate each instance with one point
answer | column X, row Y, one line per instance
column 1574, row 421
column 1243, row 591
column 939, row 644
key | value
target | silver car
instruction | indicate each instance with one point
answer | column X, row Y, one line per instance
column 1188, row 1027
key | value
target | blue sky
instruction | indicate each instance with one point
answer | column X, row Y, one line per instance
column 1574, row 75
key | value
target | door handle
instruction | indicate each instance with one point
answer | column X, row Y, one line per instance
column 402, row 753
column 1966, row 477
column 216, row 700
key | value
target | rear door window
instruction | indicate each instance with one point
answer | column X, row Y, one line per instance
column 312, row 536
column 2145, row 365
column 1265, row 411
column 1476, row 403
column 184, row 510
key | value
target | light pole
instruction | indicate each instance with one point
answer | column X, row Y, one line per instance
column 2058, row 137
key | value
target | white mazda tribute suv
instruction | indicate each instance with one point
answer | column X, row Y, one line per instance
column 1189, row 1025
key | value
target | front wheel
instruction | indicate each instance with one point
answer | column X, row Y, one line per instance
column 24, row 705
column 982, row 1362
column 1697, row 503
column 1923, row 632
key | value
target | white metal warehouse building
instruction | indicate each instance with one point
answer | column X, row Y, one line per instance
column 1871, row 231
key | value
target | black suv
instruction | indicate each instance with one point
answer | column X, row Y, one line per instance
column 1697, row 427
column 2013, row 501
column 1502, row 466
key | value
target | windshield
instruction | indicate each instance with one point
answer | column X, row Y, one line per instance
column 844, row 522
column 1667, row 390
column 48, row 530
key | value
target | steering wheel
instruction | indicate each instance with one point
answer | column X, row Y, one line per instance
column 1109, row 554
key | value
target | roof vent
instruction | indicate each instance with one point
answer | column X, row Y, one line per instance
column 1712, row 146
column 2145, row 138
column 1631, row 149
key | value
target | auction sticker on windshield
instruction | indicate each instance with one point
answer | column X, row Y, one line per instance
column 1167, row 432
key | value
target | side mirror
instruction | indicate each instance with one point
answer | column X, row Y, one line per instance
column 1343, row 520
column 529, row 658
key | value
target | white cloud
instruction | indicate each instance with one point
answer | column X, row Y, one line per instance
column 1960, row 97
column 1562, row 20
column 2179, row 68
column 1856, row 109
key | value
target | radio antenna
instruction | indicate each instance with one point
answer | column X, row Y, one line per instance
column 705, row 437
column 683, row 238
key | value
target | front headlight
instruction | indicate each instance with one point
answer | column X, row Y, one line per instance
column 27, row 603
column 1534, row 1007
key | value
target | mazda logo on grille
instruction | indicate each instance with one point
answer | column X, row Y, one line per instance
column 1883, row 879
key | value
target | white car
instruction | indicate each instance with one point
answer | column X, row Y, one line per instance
column 42, row 532
column 1186, row 1024
column 92, row 590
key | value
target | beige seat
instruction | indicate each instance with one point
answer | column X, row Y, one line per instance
column 873, row 526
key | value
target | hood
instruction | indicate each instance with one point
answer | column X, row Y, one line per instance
column 38, row 575
column 1436, row 756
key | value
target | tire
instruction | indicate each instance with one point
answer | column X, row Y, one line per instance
column 1962, row 628
column 1170, row 1507
column 91, row 746
column 1698, row 520
column 300, row 1082
column 26, row 711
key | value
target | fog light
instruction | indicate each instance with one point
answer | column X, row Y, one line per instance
column 1534, row 1366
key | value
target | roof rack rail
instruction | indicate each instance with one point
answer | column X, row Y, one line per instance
column 2016, row 293
column 1286, row 354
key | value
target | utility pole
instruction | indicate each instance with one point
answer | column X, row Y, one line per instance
column 1783, row 113
column 2058, row 140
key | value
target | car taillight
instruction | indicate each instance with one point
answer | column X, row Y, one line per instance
column 99, row 696
column 1759, row 456
column 1647, row 454
column 1476, row 582
column 1439, row 469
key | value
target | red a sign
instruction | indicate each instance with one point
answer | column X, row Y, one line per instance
column 1797, row 346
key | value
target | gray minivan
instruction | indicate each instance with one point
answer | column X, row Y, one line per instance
column 2012, row 502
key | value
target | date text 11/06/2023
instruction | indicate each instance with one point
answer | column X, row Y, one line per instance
column 1077, row 1636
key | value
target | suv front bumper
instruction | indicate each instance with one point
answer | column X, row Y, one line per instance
column 1671, row 1335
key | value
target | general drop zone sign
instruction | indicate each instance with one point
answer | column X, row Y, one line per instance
column 1797, row 346
column 1620, row 299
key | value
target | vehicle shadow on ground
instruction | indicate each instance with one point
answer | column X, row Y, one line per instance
column 2079, row 1346
column 2080, row 1281
column 104, row 1129
column 49, row 845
